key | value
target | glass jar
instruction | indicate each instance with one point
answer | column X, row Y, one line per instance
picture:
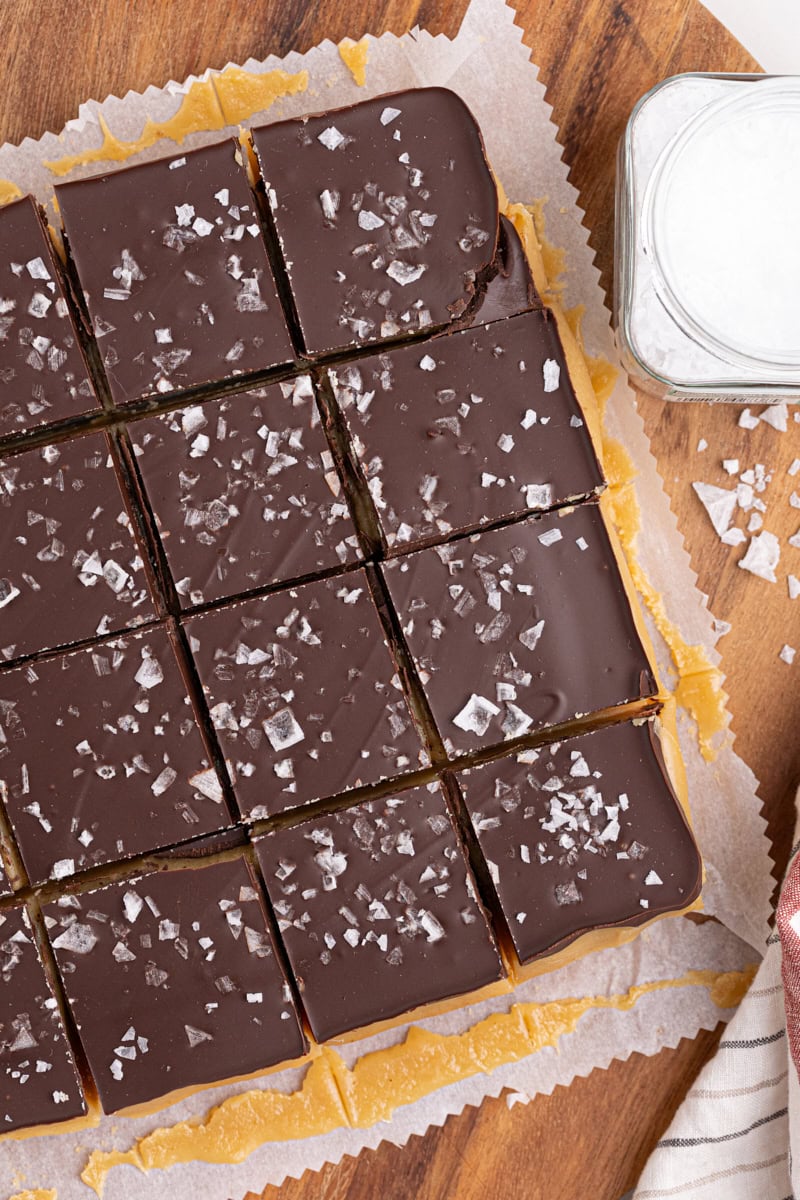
column 707, row 254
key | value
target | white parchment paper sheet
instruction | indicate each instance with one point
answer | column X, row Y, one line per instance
column 488, row 65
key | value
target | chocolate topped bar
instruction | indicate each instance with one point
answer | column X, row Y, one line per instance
column 582, row 834
column 245, row 491
column 43, row 373
column 70, row 564
column 386, row 214
column 466, row 429
column 173, row 981
column 175, row 273
column 378, row 911
column 518, row 628
column 103, row 757
column 511, row 290
column 303, row 694
column 40, row 1084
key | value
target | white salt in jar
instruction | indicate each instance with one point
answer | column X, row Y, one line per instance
column 707, row 263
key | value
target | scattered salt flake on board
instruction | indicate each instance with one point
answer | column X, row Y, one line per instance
column 794, row 467
column 776, row 415
column 794, row 499
column 719, row 503
column 733, row 537
column 731, row 465
column 762, row 556
column 794, row 586
column 787, row 654
column 794, row 540
column 747, row 420
column 702, row 445
column 721, row 627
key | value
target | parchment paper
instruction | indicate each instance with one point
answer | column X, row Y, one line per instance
column 488, row 65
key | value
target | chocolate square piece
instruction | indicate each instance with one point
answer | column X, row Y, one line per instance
column 519, row 628
column 173, row 981
column 468, row 428
column 40, row 1083
column 70, row 565
column 103, row 757
column 244, row 491
column 582, row 834
column 175, row 272
column 304, row 694
column 386, row 214
column 378, row 911
column 43, row 374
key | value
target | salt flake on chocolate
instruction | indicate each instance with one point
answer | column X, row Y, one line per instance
column 476, row 715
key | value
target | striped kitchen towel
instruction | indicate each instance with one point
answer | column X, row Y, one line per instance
column 738, row 1131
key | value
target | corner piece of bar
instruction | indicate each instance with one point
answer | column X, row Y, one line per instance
column 245, row 491
column 510, row 290
column 40, row 1084
column 466, row 429
column 104, row 758
column 519, row 628
column 173, row 981
column 378, row 911
column 175, row 273
column 582, row 834
column 71, row 566
column 304, row 694
column 44, row 376
column 386, row 214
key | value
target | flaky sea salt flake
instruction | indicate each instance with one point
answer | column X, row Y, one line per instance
column 762, row 556
column 719, row 503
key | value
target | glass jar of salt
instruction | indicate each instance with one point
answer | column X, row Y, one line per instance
column 707, row 270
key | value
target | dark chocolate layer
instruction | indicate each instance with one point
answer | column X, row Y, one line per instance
column 104, row 758
column 70, row 565
column 303, row 694
column 521, row 627
column 467, row 428
column 43, row 374
column 378, row 911
column 386, row 214
column 39, row 1081
column 173, row 981
column 175, row 272
column 245, row 491
column 582, row 834
column 511, row 289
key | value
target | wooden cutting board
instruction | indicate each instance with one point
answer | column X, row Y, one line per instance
column 596, row 57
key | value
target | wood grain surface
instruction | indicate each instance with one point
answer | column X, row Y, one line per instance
column 596, row 58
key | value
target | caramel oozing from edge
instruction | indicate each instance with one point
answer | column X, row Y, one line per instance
column 335, row 1096
column 354, row 55
column 8, row 192
column 223, row 99
column 35, row 1194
